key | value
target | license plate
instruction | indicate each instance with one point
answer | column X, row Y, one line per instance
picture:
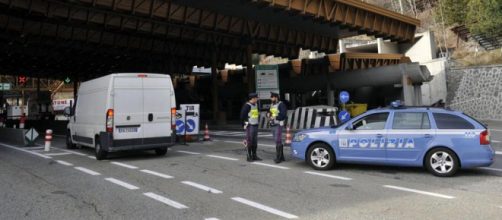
column 128, row 130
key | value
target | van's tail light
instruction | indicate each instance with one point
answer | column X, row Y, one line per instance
column 109, row 120
column 484, row 138
column 173, row 119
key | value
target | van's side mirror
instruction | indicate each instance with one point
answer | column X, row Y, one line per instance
column 67, row 112
column 350, row 127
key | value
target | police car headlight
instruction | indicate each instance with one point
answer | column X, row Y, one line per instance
column 299, row 137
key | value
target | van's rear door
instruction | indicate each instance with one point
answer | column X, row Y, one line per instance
column 128, row 107
column 158, row 101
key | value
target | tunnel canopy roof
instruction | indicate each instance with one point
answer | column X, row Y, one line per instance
column 88, row 38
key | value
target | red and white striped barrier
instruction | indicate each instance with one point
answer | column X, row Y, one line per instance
column 48, row 139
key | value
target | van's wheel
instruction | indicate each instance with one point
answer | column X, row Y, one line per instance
column 100, row 153
column 69, row 142
column 441, row 162
column 321, row 157
column 161, row 151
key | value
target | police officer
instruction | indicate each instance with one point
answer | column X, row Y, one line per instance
column 250, row 117
column 277, row 117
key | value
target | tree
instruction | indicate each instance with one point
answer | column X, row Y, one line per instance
column 484, row 17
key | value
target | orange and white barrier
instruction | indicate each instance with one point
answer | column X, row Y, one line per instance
column 48, row 139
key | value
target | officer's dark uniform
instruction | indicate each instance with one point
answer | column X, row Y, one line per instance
column 278, row 114
column 250, row 117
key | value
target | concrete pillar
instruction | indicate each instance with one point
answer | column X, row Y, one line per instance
column 418, row 94
column 341, row 44
column 408, row 93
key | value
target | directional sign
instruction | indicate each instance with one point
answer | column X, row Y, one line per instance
column 67, row 80
column 4, row 86
column 344, row 97
column 180, row 127
column 31, row 135
column 343, row 116
column 190, row 125
column 192, row 118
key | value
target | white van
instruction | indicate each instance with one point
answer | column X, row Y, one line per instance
column 124, row 111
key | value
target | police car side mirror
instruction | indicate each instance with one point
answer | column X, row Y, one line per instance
column 67, row 112
column 349, row 127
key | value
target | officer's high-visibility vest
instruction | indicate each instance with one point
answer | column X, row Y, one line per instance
column 274, row 112
column 253, row 114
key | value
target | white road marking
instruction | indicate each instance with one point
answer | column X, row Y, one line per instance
column 419, row 192
column 221, row 157
column 327, row 175
column 74, row 152
column 122, row 183
column 57, row 154
column 241, row 142
column 165, row 200
column 271, row 165
column 187, row 152
column 34, row 148
column 495, row 141
column 125, row 165
column 495, row 130
column 85, row 170
column 26, row 151
column 202, row 187
column 92, row 157
column 64, row 163
column 211, row 219
column 265, row 208
column 498, row 152
column 489, row 168
column 157, row 174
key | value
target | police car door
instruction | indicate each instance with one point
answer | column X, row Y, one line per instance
column 409, row 136
column 363, row 142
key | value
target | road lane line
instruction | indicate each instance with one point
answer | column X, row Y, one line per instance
column 122, row 183
column 92, row 157
column 240, row 142
column 489, row 168
column 74, row 152
column 498, row 152
column 64, row 163
column 419, row 192
column 157, row 174
column 495, row 130
column 125, row 165
column 264, row 208
column 90, row 172
column 187, row 152
column 270, row 165
column 211, row 219
column 165, row 200
column 221, row 157
column 202, row 187
column 26, row 151
column 327, row 175
column 495, row 141
column 57, row 154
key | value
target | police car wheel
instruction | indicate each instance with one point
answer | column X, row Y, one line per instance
column 442, row 162
column 321, row 157
column 161, row 151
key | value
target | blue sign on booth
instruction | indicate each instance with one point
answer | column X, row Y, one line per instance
column 190, row 125
column 180, row 127
column 343, row 116
column 344, row 97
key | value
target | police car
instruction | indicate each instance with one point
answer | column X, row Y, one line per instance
column 441, row 140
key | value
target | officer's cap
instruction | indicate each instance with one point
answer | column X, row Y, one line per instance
column 252, row 95
column 273, row 94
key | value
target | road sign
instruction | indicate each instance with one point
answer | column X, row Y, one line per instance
column 180, row 126
column 344, row 97
column 31, row 135
column 343, row 116
column 192, row 124
column 67, row 80
column 4, row 86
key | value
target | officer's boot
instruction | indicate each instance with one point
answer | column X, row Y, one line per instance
column 250, row 154
column 255, row 157
column 282, row 152
column 277, row 154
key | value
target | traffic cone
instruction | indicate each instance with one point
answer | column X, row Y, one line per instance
column 206, row 134
column 288, row 136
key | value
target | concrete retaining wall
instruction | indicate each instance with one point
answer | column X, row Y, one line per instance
column 13, row 136
column 476, row 91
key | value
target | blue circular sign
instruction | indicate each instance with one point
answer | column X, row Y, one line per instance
column 344, row 97
column 190, row 125
column 343, row 116
column 180, row 126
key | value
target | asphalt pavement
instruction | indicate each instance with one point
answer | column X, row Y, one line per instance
column 212, row 180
